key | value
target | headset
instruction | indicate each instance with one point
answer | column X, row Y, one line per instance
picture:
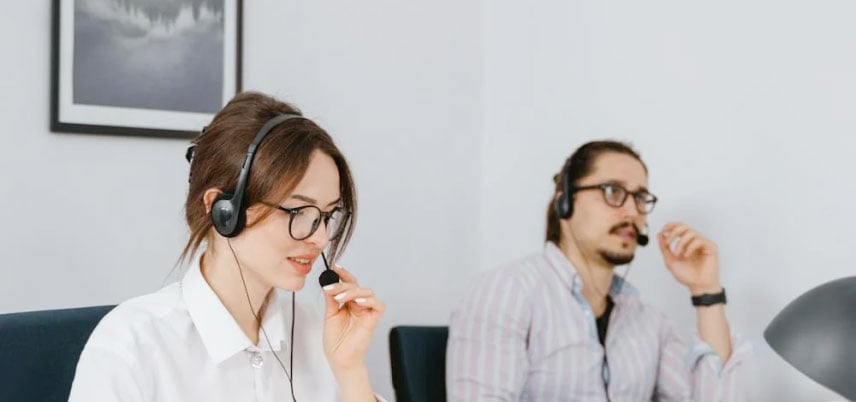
column 228, row 212
column 564, row 204
column 564, row 208
column 229, row 217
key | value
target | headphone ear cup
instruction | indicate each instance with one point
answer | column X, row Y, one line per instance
column 565, row 201
column 569, row 206
column 226, row 218
column 564, row 206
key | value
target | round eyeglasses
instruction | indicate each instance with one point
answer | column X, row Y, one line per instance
column 615, row 196
column 304, row 221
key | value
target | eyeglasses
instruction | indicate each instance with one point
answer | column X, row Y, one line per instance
column 304, row 221
column 615, row 196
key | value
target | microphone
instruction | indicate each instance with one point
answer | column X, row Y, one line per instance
column 329, row 277
column 642, row 238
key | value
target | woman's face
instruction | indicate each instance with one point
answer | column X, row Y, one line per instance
column 266, row 249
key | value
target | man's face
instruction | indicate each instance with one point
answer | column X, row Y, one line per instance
column 601, row 229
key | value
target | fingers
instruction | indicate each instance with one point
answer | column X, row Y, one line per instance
column 348, row 293
column 697, row 245
column 679, row 244
column 331, row 306
column 346, row 281
column 368, row 303
column 351, row 295
column 664, row 245
column 344, row 274
column 669, row 237
column 680, row 240
column 345, row 292
column 674, row 231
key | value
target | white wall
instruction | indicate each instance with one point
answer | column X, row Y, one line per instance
column 398, row 84
column 454, row 115
column 87, row 219
column 94, row 220
column 743, row 111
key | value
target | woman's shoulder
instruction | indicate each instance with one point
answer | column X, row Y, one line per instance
column 132, row 321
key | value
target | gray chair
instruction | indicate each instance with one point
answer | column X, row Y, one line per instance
column 418, row 359
column 39, row 351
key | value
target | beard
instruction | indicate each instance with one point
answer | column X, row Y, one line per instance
column 618, row 257
column 614, row 258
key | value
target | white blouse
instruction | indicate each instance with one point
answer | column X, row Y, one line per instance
column 181, row 344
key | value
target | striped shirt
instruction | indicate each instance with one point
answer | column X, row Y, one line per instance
column 526, row 333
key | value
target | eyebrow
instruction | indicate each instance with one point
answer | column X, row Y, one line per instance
column 312, row 200
column 624, row 184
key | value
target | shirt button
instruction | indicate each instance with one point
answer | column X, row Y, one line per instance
column 257, row 360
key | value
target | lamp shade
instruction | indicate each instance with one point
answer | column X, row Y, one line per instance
column 816, row 333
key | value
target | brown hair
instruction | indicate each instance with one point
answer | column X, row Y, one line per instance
column 279, row 164
column 578, row 166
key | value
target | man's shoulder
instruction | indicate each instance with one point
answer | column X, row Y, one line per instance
column 519, row 279
column 527, row 271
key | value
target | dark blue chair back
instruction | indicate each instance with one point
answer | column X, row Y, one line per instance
column 39, row 351
column 418, row 358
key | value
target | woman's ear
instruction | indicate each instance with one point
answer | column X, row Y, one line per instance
column 208, row 198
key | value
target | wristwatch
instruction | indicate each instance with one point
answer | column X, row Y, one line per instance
column 709, row 299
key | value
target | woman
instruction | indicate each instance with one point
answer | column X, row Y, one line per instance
column 269, row 191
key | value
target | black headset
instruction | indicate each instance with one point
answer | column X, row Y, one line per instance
column 229, row 216
column 228, row 213
column 564, row 204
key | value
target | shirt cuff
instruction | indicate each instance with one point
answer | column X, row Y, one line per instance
column 701, row 354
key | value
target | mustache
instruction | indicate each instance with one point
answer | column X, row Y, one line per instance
column 624, row 225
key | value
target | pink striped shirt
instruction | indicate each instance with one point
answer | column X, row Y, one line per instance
column 525, row 333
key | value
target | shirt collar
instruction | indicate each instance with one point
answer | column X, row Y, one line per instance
column 572, row 280
column 220, row 334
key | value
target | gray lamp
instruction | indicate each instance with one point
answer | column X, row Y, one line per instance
column 816, row 333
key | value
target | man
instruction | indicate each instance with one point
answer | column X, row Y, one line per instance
column 560, row 326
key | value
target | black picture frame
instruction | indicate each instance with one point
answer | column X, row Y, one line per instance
column 94, row 114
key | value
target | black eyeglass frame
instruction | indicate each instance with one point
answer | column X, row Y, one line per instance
column 638, row 196
column 325, row 217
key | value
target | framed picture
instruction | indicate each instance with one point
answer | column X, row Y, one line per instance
column 143, row 67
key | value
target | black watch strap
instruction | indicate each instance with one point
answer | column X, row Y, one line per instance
column 709, row 299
